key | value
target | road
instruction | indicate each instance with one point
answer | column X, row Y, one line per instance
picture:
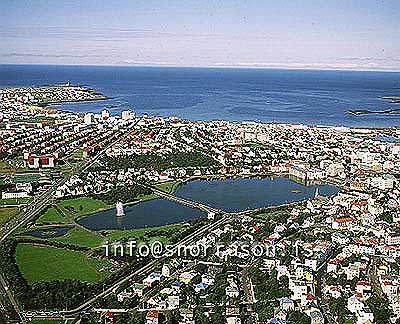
column 7, row 300
column 148, row 267
column 72, row 221
column 37, row 204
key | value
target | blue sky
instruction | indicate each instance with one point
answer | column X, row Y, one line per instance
column 347, row 34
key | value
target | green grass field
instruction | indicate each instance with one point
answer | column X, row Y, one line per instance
column 46, row 321
column 13, row 201
column 7, row 213
column 4, row 168
column 169, row 186
column 51, row 216
column 141, row 232
column 43, row 263
column 78, row 207
column 79, row 237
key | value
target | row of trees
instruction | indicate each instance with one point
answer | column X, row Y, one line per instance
column 268, row 289
column 124, row 194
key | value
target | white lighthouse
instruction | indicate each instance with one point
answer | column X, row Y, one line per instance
column 120, row 209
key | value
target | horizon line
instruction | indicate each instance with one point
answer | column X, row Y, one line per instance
column 219, row 66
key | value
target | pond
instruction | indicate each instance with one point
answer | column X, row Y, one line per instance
column 150, row 213
column 230, row 195
column 250, row 193
column 48, row 232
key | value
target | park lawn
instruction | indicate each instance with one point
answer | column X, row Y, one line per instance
column 78, row 207
column 141, row 198
column 6, row 213
column 44, row 263
column 79, row 237
column 169, row 186
column 4, row 168
column 137, row 233
column 77, row 155
column 51, row 216
column 49, row 321
column 15, row 201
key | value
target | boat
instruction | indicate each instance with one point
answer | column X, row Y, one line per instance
column 296, row 190
column 120, row 209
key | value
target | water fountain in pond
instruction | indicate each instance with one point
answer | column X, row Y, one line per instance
column 120, row 209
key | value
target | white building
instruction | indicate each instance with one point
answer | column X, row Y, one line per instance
column 127, row 115
column 14, row 195
column 88, row 119
column 105, row 114
column 354, row 304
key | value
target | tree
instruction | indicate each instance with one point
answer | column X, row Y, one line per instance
column 297, row 317
column 380, row 308
column 199, row 316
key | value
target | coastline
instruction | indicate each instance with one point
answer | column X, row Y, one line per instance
column 330, row 112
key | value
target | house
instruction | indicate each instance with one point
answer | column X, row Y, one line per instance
column 173, row 301
column 354, row 304
column 363, row 287
column 334, row 291
column 332, row 266
column 187, row 315
column 233, row 320
column 342, row 223
column 384, row 182
column 232, row 290
column 164, row 176
column 392, row 240
column 299, row 291
column 152, row 317
column 138, row 289
column 207, row 279
column 152, row 279
column 317, row 317
column 166, row 270
column 177, row 285
column 43, row 161
column 389, row 288
column 187, row 277
column 365, row 316
column 200, row 287
column 124, row 294
column 107, row 317
column 286, row 304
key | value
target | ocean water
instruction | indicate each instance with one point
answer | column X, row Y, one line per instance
column 312, row 97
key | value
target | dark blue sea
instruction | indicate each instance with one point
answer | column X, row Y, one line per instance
column 312, row 97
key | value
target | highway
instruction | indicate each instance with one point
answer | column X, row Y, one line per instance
column 37, row 204
column 41, row 201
